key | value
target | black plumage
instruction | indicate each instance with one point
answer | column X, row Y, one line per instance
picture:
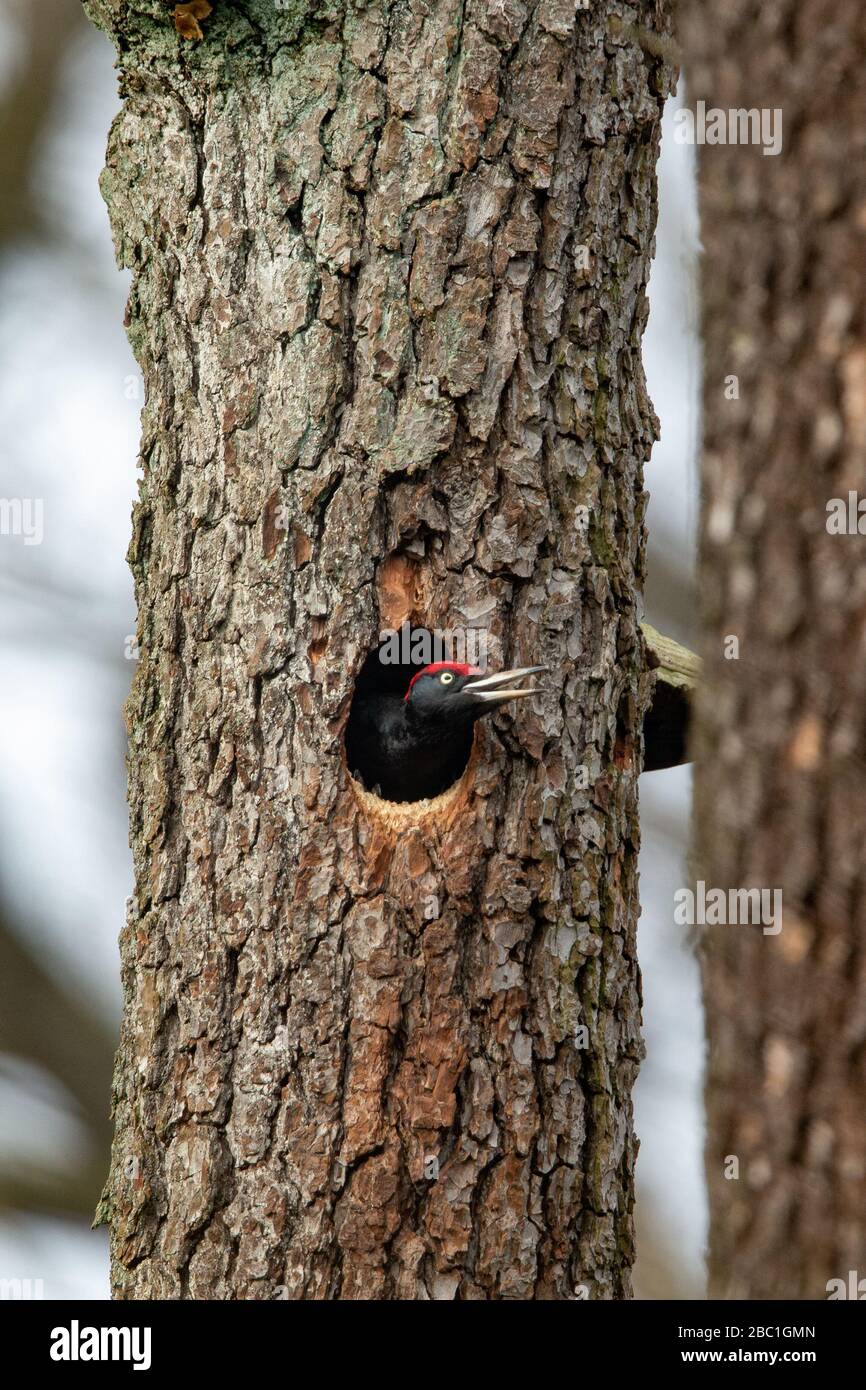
column 413, row 742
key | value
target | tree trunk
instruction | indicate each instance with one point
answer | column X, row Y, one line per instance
column 389, row 270
column 782, row 729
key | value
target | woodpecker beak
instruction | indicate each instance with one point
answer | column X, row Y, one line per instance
column 498, row 689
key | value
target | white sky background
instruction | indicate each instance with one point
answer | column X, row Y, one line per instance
column 69, row 435
column 669, row 1111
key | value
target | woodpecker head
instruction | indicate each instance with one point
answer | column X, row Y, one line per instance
column 450, row 692
column 412, row 745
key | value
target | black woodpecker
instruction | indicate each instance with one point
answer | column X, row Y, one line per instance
column 412, row 745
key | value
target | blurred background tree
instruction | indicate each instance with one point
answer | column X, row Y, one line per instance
column 782, row 729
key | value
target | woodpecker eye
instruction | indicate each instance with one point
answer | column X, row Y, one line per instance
column 447, row 677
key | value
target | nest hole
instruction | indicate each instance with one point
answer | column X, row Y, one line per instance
column 378, row 697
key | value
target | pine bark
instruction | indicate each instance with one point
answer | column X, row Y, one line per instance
column 782, row 730
column 389, row 268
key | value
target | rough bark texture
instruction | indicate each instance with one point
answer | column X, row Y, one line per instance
column 381, row 379
column 782, row 735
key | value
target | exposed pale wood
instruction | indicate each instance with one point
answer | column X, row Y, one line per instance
column 673, row 663
column 667, row 722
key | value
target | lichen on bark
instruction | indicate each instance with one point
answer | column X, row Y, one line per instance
column 389, row 268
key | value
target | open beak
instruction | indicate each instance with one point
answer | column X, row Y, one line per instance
column 499, row 688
